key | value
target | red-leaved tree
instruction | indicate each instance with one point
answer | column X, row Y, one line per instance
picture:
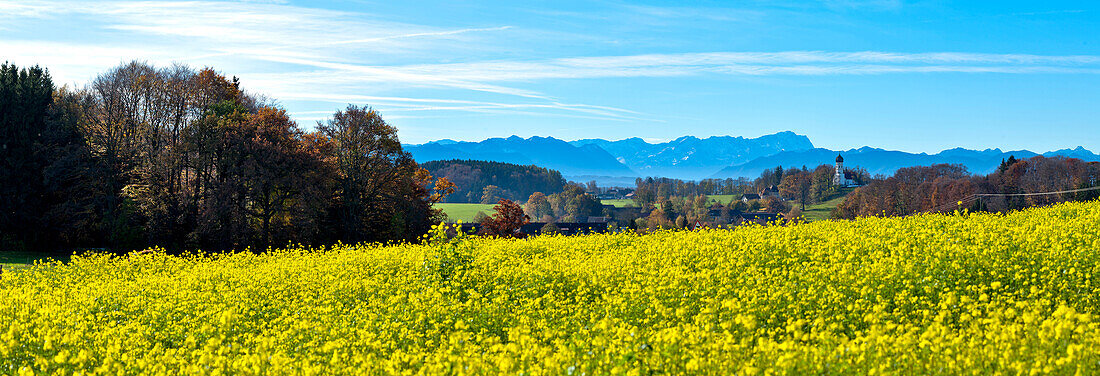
column 506, row 222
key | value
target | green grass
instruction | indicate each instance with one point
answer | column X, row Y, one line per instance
column 464, row 212
column 618, row 203
column 722, row 199
column 824, row 210
column 622, row 203
column 16, row 260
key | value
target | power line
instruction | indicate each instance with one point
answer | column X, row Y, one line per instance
column 974, row 197
column 1036, row 194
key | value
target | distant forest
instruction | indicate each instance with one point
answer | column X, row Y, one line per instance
column 806, row 185
column 488, row 182
column 183, row 159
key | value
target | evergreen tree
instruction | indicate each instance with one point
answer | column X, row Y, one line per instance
column 25, row 99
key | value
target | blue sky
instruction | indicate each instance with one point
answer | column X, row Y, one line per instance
column 918, row 76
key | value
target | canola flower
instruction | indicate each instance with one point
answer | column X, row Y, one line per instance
column 930, row 294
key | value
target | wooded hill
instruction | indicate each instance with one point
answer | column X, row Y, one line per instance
column 487, row 182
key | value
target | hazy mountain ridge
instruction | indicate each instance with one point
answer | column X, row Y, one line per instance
column 687, row 157
column 546, row 152
column 690, row 157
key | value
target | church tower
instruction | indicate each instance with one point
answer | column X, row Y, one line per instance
column 838, row 177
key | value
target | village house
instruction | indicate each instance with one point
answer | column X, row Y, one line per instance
column 715, row 211
column 736, row 217
column 770, row 192
column 616, row 194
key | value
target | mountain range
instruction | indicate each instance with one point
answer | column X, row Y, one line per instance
column 691, row 158
column 546, row 152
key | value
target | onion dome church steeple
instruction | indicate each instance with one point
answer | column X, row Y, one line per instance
column 839, row 179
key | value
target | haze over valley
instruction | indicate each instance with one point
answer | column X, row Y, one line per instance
column 618, row 162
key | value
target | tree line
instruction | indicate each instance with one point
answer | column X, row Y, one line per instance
column 183, row 158
column 804, row 186
column 488, row 182
column 569, row 205
column 918, row 189
column 648, row 191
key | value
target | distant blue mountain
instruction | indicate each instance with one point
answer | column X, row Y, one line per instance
column 885, row 162
column 690, row 157
column 617, row 161
column 547, row 152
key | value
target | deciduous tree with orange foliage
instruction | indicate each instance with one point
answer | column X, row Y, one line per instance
column 182, row 158
column 506, row 222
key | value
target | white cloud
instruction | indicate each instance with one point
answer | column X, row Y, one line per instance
column 382, row 74
column 217, row 27
column 501, row 77
column 77, row 63
column 13, row 9
column 402, row 105
column 756, row 63
column 307, row 54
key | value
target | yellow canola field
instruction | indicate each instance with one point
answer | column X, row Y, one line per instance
column 931, row 294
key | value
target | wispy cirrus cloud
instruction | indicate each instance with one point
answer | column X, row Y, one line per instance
column 301, row 42
column 310, row 54
column 410, row 106
column 199, row 31
column 756, row 63
column 481, row 75
column 508, row 77
column 300, row 53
